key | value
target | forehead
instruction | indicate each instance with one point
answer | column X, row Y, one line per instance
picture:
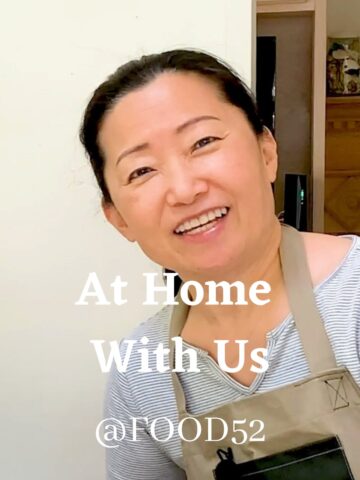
column 168, row 100
column 174, row 89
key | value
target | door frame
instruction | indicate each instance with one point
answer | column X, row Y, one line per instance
column 318, row 123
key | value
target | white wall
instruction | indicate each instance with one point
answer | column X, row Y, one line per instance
column 53, row 54
column 343, row 18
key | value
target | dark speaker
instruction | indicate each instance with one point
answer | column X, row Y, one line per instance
column 295, row 203
column 265, row 79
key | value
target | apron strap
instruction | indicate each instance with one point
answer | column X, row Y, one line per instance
column 314, row 339
column 299, row 288
column 177, row 323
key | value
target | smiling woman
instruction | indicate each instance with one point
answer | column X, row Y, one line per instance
column 163, row 151
column 185, row 167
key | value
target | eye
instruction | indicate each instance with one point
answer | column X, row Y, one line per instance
column 203, row 142
column 139, row 172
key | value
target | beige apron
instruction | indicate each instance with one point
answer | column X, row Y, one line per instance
column 311, row 427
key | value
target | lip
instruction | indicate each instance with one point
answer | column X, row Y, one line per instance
column 213, row 233
column 195, row 215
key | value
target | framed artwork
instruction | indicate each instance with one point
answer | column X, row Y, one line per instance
column 343, row 66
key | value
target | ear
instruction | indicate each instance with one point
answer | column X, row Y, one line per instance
column 115, row 218
column 269, row 154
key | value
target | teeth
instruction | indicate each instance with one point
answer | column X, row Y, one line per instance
column 187, row 225
column 203, row 219
column 199, row 222
column 202, row 228
column 194, row 223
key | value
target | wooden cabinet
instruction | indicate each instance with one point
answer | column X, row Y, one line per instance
column 279, row 6
column 342, row 165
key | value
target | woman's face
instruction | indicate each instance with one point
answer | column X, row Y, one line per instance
column 178, row 156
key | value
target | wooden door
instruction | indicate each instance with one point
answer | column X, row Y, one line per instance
column 342, row 165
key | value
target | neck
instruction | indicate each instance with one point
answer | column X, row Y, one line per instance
column 264, row 266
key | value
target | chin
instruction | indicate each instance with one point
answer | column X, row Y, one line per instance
column 206, row 268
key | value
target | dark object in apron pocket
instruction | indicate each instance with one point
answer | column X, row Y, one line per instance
column 324, row 460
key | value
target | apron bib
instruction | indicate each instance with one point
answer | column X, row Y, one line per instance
column 308, row 430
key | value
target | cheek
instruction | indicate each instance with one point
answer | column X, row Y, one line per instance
column 238, row 168
column 141, row 209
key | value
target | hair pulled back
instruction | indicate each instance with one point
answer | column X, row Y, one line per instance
column 137, row 73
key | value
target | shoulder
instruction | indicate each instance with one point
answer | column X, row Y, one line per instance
column 155, row 328
column 326, row 254
column 335, row 268
column 143, row 398
column 141, row 388
column 147, row 336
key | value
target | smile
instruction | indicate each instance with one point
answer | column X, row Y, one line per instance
column 202, row 223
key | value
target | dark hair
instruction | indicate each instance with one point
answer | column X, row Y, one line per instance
column 137, row 73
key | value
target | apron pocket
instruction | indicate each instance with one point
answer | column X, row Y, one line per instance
column 323, row 460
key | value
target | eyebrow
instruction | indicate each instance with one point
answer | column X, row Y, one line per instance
column 178, row 130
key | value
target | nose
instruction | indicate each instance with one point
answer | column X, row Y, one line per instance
column 184, row 185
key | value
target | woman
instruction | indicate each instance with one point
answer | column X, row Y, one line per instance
column 185, row 167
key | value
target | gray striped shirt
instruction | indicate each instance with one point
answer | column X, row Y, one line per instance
column 133, row 394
